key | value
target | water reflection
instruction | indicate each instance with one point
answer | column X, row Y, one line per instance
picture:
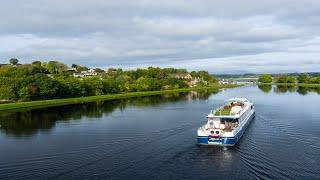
column 285, row 88
column 289, row 88
column 303, row 90
column 265, row 88
column 30, row 122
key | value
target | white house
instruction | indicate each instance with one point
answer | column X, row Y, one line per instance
column 90, row 72
column 182, row 76
column 196, row 80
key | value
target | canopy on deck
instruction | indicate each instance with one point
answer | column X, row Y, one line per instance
column 238, row 100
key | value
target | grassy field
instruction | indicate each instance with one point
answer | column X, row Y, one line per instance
column 58, row 102
column 292, row 84
column 223, row 112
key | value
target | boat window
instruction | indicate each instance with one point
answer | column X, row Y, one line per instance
column 217, row 132
column 229, row 119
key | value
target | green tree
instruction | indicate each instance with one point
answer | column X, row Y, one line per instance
column 24, row 94
column 14, row 61
column 303, row 78
column 81, row 68
column 98, row 70
column 36, row 64
column 291, row 79
column 205, row 76
column 7, row 93
column 147, row 84
column 56, row 67
column 314, row 80
column 194, row 74
column 317, row 80
column 281, row 79
column 51, row 66
column 265, row 78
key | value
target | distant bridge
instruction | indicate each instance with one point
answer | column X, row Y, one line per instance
column 245, row 80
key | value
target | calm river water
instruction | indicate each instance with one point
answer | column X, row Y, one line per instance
column 155, row 138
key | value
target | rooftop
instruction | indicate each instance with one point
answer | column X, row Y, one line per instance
column 223, row 112
column 231, row 109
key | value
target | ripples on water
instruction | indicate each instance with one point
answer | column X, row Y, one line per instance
column 154, row 138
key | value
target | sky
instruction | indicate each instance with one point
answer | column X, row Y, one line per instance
column 220, row 36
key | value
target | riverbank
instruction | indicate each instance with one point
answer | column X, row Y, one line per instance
column 292, row 84
column 59, row 102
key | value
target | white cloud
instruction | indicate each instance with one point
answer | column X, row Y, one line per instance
column 219, row 36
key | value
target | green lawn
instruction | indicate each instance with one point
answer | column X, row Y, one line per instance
column 58, row 102
column 223, row 112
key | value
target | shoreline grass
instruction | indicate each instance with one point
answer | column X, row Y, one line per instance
column 292, row 84
column 78, row 100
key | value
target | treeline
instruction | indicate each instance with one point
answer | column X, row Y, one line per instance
column 49, row 80
column 301, row 78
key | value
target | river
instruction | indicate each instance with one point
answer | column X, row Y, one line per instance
column 155, row 138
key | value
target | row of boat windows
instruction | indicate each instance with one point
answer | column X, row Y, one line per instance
column 233, row 120
column 245, row 114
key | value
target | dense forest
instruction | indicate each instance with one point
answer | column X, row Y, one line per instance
column 53, row 79
column 299, row 78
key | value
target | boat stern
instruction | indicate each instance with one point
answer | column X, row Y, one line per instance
column 214, row 139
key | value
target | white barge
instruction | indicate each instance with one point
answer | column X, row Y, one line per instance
column 226, row 125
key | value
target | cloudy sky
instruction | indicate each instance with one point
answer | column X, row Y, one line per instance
column 221, row 36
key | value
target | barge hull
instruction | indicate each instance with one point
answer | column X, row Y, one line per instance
column 225, row 141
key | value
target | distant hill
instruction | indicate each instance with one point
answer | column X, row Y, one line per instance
column 252, row 75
